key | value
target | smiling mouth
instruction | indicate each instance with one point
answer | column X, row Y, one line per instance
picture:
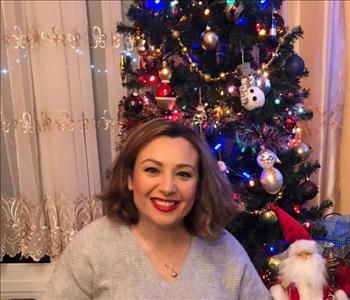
column 164, row 205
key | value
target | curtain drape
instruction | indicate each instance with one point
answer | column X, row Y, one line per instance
column 323, row 49
column 60, row 86
column 344, row 171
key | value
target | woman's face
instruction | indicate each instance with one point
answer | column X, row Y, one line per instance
column 164, row 181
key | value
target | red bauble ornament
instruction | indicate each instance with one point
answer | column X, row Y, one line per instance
column 165, row 95
column 290, row 123
column 164, row 90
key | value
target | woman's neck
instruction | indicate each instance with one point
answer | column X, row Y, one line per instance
column 163, row 238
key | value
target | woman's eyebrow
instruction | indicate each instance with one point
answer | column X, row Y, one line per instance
column 151, row 160
column 160, row 164
column 194, row 168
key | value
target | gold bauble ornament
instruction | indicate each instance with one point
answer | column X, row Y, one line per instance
column 175, row 34
column 165, row 72
column 271, row 180
column 207, row 77
column 157, row 52
column 209, row 39
column 141, row 47
column 184, row 50
column 268, row 216
column 222, row 76
column 273, row 263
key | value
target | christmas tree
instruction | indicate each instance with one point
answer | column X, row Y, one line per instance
column 228, row 69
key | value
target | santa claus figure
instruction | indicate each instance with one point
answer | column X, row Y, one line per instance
column 303, row 274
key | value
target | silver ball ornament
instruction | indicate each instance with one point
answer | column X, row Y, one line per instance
column 271, row 180
column 303, row 150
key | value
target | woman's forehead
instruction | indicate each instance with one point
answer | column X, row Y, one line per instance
column 169, row 149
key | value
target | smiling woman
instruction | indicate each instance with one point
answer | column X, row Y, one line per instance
column 164, row 182
column 167, row 204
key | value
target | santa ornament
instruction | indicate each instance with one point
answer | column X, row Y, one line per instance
column 303, row 274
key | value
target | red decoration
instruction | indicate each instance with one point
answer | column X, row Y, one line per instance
column 152, row 79
column 148, row 79
column 164, row 90
column 292, row 229
column 142, row 79
column 266, row 277
column 173, row 115
column 290, row 122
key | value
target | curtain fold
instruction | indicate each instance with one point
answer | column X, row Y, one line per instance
column 343, row 205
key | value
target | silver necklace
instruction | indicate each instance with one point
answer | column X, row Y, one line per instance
column 173, row 271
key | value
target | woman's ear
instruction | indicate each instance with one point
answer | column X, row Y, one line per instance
column 130, row 187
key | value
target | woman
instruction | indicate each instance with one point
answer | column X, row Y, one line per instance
column 163, row 238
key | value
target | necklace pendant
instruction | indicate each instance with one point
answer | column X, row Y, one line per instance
column 173, row 274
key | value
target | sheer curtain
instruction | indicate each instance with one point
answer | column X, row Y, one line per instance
column 323, row 49
column 60, row 87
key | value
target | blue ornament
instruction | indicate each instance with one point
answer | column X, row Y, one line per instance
column 155, row 5
column 295, row 66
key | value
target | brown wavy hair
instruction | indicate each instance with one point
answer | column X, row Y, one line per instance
column 213, row 208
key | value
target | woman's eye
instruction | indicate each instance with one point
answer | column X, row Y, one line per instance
column 184, row 174
column 151, row 170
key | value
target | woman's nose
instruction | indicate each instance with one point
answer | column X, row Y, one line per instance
column 167, row 184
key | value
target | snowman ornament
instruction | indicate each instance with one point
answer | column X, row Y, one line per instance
column 270, row 178
column 252, row 96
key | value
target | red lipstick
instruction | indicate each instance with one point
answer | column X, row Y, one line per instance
column 164, row 205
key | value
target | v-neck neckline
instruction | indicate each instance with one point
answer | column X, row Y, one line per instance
column 147, row 261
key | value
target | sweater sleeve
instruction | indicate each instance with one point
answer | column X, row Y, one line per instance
column 251, row 286
column 73, row 274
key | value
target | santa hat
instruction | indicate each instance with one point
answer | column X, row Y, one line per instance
column 294, row 233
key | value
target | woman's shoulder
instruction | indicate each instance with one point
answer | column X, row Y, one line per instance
column 100, row 232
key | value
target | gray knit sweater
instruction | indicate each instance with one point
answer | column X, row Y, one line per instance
column 104, row 261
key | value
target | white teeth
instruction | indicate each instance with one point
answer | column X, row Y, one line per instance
column 164, row 203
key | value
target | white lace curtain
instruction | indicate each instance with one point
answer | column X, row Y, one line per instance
column 60, row 87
